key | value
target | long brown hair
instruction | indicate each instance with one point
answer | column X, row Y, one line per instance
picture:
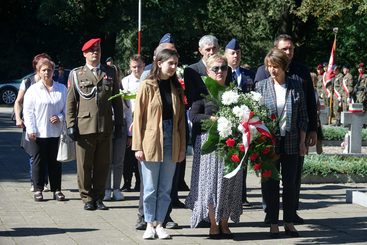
column 162, row 56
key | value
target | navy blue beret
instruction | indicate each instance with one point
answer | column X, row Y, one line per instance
column 233, row 44
column 167, row 38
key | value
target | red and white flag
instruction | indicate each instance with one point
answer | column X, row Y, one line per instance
column 329, row 74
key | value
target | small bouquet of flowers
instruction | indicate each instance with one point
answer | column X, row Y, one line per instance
column 124, row 94
column 242, row 133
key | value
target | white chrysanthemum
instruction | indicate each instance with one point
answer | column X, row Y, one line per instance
column 240, row 111
column 224, row 127
column 230, row 97
column 256, row 96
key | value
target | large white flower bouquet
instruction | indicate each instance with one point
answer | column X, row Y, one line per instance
column 242, row 133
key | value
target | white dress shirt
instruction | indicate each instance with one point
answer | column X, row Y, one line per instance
column 131, row 84
column 40, row 105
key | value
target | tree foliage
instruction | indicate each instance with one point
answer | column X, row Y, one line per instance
column 60, row 27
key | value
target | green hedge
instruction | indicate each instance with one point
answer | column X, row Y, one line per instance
column 338, row 133
column 323, row 165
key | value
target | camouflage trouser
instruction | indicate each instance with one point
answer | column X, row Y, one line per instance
column 362, row 98
column 337, row 109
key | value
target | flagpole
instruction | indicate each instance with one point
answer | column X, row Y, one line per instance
column 139, row 26
column 330, row 74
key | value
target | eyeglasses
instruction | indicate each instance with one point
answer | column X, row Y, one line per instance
column 217, row 68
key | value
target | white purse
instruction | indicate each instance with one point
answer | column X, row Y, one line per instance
column 66, row 151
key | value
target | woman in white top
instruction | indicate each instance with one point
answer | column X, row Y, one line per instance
column 44, row 112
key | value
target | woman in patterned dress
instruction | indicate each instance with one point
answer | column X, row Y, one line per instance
column 213, row 198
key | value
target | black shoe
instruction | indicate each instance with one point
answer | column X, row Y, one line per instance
column 140, row 223
column 100, row 205
column 178, row 204
column 298, row 220
column 126, row 188
column 274, row 235
column 203, row 224
column 267, row 219
column 170, row 224
column 89, row 206
column 58, row 196
column 38, row 197
column 227, row 235
column 291, row 233
column 215, row 236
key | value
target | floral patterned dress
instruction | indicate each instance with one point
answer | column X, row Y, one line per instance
column 209, row 187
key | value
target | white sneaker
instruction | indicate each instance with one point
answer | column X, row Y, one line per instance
column 107, row 195
column 117, row 195
column 46, row 189
column 149, row 233
column 162, row 233
column 32, row 188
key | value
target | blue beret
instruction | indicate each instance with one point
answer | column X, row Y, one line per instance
column 167, row 38
column 233, row 44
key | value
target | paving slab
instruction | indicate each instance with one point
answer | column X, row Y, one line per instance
column 329, row 218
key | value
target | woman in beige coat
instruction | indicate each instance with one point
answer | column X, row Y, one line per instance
column 159, row 138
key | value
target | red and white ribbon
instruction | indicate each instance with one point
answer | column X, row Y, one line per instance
column 250, row 127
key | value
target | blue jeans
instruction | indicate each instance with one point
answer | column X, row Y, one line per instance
column 157, row 179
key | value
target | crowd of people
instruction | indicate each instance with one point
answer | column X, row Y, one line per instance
column 148, row 136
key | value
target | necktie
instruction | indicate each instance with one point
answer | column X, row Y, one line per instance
column 234, row 76
column 95, row 71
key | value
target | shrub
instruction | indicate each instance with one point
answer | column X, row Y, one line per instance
column 323, row 165
column 338, row 133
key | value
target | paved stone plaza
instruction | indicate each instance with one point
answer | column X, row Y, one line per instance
column 329, row 219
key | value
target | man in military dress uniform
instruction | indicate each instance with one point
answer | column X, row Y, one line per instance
column 337, row 93
column 89, row 122
column 360, row 87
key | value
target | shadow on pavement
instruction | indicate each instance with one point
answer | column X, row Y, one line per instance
column 40, row 231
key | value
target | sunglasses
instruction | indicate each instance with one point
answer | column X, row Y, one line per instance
column 217, row 68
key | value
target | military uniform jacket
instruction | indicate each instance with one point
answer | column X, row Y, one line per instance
column 93, row 113
column 338, row 86
column 361, row 88
column 347, row 85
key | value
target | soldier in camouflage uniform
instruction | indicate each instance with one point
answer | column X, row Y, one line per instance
column 337, row 93
column 360, row 87
column 347, row 91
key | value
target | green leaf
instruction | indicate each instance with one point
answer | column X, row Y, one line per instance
column 213, row 87
column 213, row 138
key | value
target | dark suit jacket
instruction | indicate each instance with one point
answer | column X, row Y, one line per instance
column 194, row 85
column 301, row 73
column 247, row 80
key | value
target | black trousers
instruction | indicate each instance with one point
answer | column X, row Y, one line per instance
column 298, row 181
column 130, row 167
column 44, row 159
column 270, row 190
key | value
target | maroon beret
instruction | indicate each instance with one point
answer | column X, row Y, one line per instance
column 319, row 66
column 360, row 65
column 90, row 43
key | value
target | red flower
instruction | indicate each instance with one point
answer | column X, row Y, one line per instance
column 230, row 142
column 241, row 147
column 257, row 166
column 266, row 150
column 235, row 158
column 253, row 156
column 273, row 117
column 266, row 173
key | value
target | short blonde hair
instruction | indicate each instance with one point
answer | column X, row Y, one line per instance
column 215, row 58
column 45, row 61
column 277, row 57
